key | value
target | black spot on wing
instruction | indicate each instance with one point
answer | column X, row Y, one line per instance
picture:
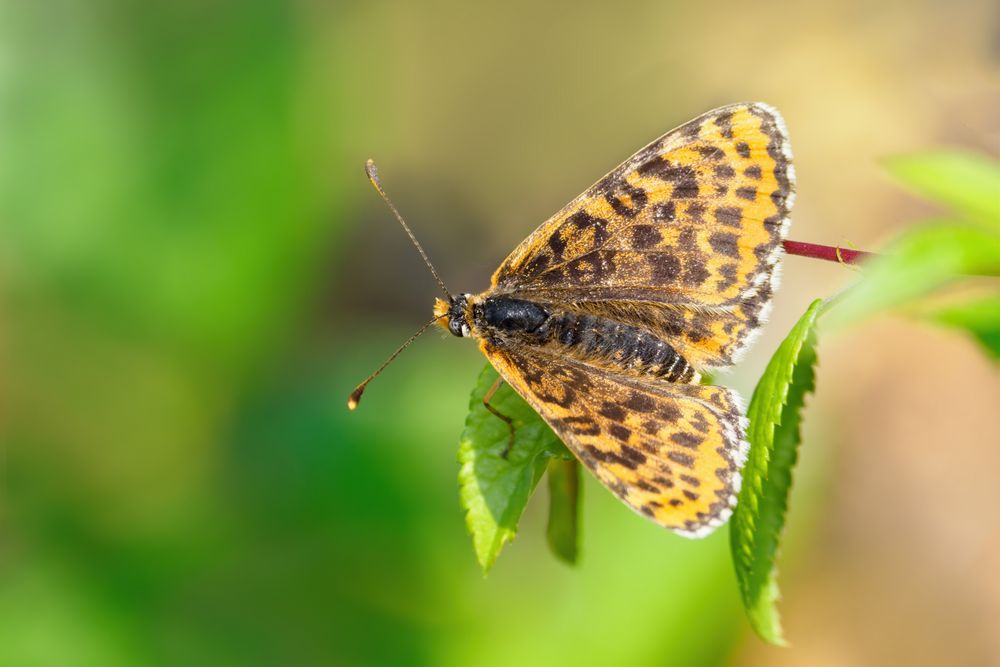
column 710, row 152
column 560, row 395
column 695, row 211
column 633, row 454
column 725, row 243
column 646, row 486
column 538, row 264
column 640, row 403
column 728, row 279
column 572, row 377
column 637, row 199
column 612, row 411
column 724, row 172
column 584, row 270
column 687, row 240
column 651, row 426
column 645, row 236
column 685, row 460
column 664, row 482
column 665, row 266
column 689, row 440
column 695, row 272
column 582, row 221
column 628, row 457
column 700, row 423
column 724, row 122
column 693, row 481
column 669, row 413
column 683, row 177
column 665, row 212
column 730, row 216
column 619, row 432
column 581, row 425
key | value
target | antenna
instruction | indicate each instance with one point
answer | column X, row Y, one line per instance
column 355, row 397
column 372, row 172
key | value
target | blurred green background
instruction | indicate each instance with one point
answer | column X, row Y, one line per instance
column 194, row 273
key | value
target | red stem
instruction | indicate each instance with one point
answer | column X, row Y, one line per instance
column 829, row 253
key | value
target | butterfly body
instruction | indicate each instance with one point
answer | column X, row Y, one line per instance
column 598, row 339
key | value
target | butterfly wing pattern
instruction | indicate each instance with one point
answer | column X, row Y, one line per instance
column 681, row 241
column 685, row 235
column 672, row 452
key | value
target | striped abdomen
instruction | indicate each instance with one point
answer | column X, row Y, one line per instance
column 588, row 337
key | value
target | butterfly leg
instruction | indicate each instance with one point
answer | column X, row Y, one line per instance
column 510, row 422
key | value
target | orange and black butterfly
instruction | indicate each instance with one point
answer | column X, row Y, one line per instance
column 603, row 317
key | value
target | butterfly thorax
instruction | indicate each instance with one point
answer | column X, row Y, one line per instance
column 508, row 322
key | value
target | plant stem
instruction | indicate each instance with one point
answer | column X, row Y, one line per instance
column 829, row 253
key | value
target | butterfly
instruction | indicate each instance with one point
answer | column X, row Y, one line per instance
column 605, row 316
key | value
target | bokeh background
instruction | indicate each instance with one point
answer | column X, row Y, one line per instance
column 194, row 273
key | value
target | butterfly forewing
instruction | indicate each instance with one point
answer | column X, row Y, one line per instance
column 693, row 222
column 672, row 452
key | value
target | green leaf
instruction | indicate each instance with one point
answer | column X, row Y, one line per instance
column 756, row 526
column 967, row 182
column 564, row 509
column 494, row 490
column 980, row 317
column 920, row 261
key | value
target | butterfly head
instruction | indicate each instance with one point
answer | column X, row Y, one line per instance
column 454, row 315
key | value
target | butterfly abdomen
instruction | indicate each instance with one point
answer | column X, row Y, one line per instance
column 585, row 336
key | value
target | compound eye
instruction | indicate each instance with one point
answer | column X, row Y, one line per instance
column 457, row 328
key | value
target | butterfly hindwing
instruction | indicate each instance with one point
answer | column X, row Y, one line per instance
column 694, row 222
column 672, row 452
